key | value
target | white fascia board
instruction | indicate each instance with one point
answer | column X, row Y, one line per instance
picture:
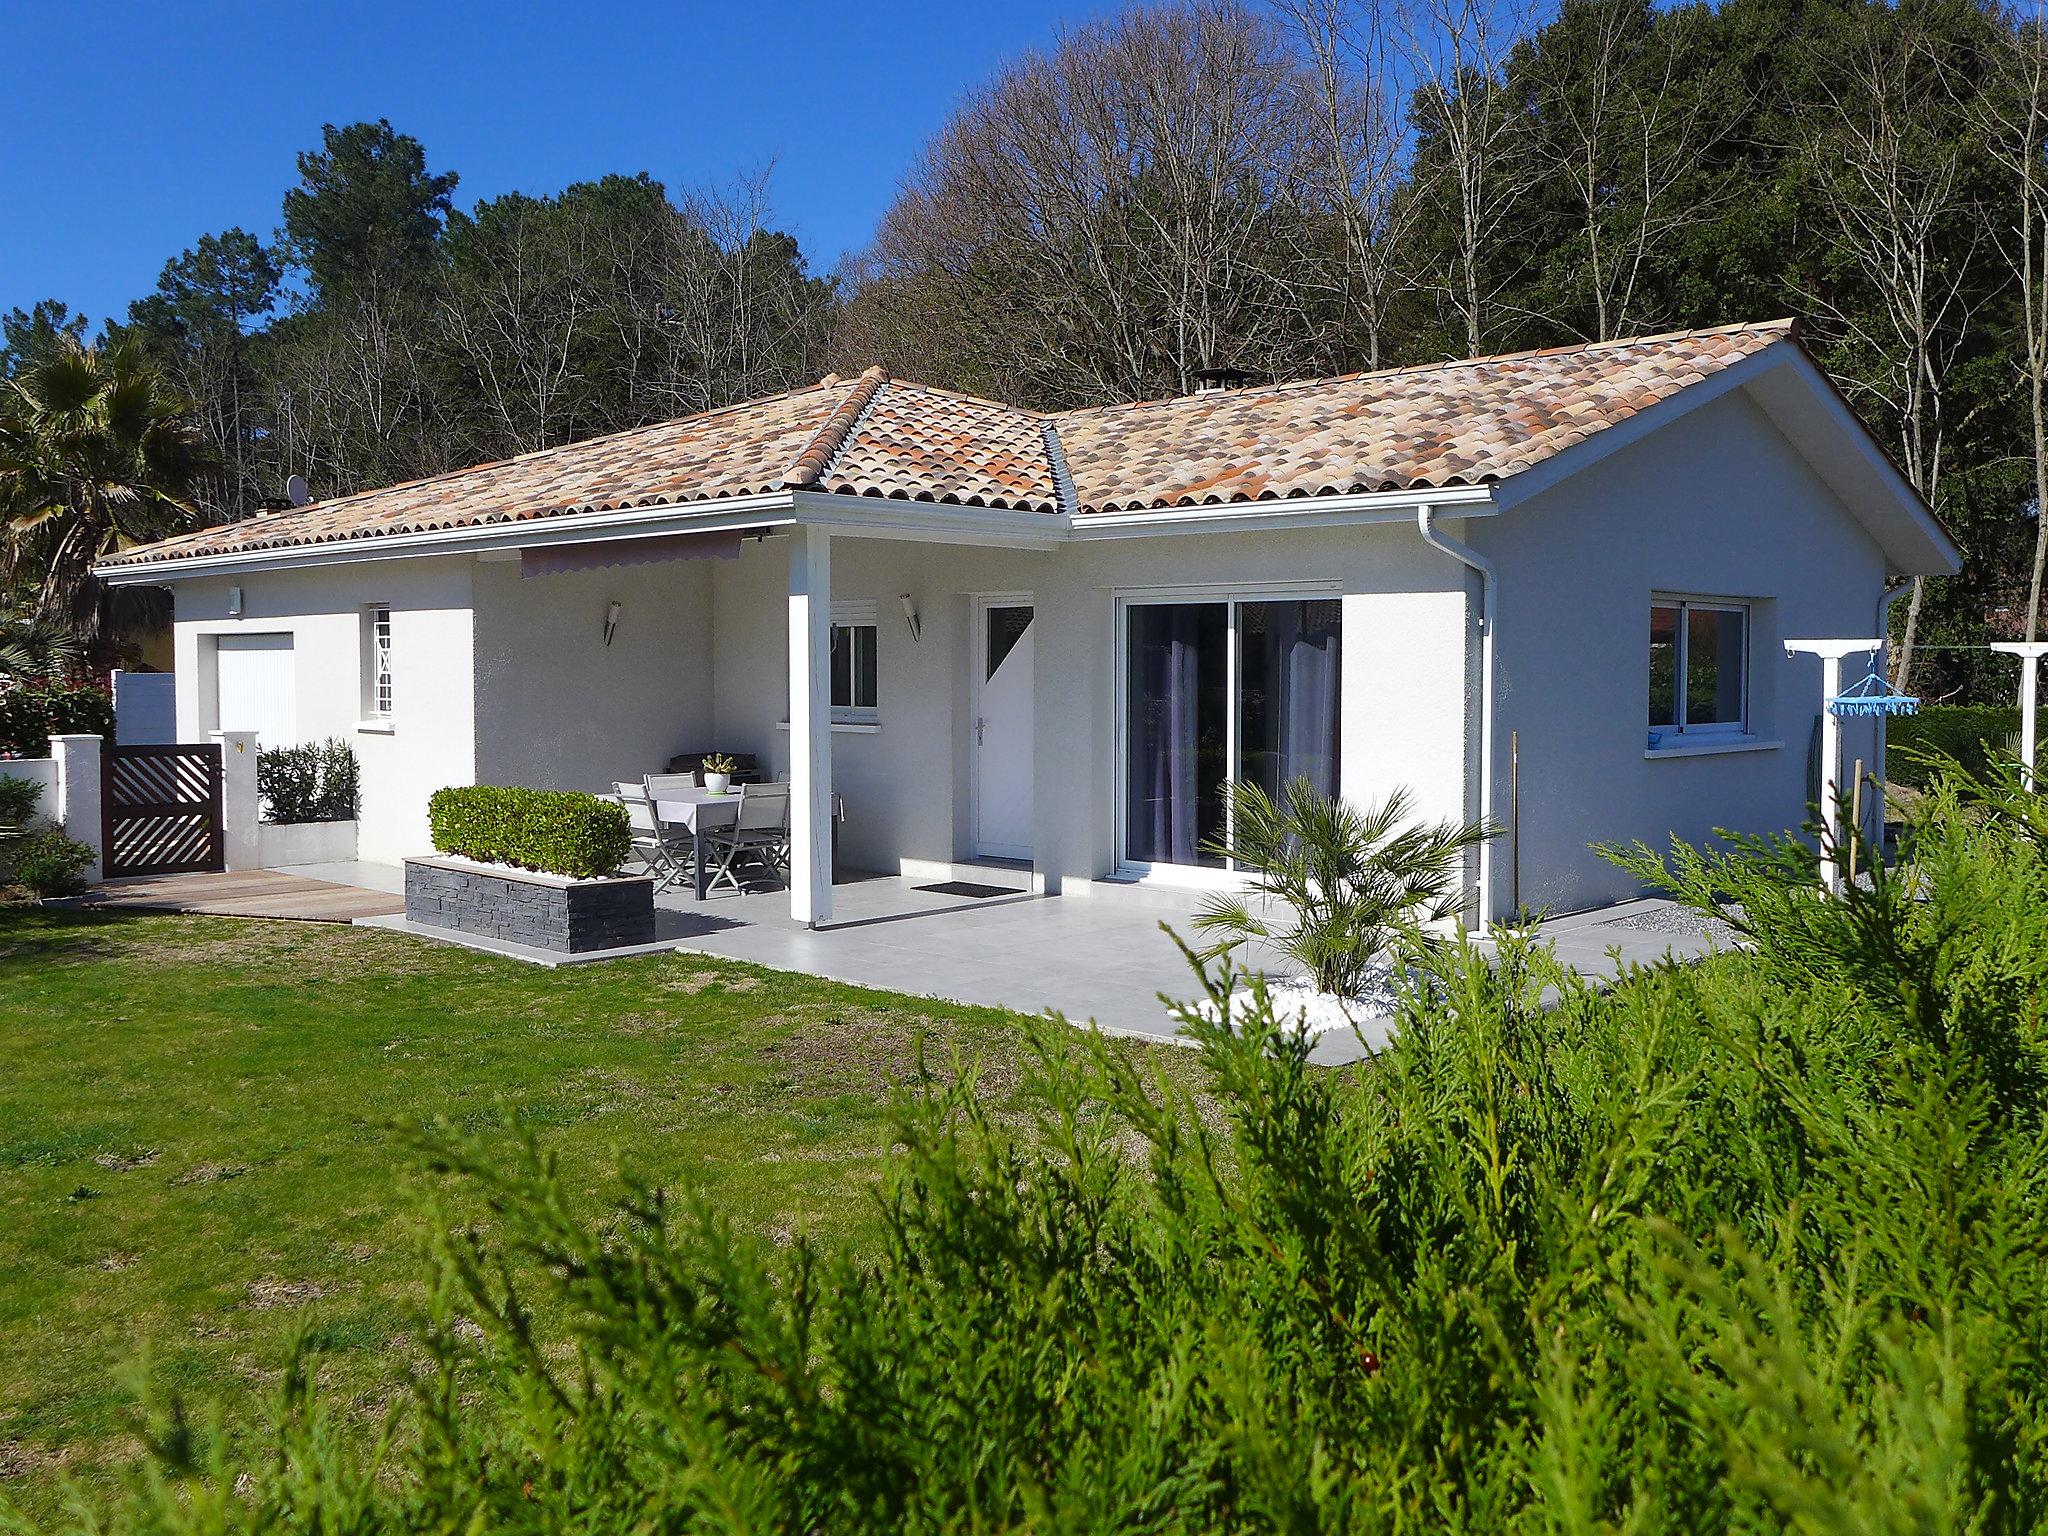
column 1809, row 410
column 881, row 517
column 1296, row 512
column 769, row 510
column 1812, row 413
column 1538, row 478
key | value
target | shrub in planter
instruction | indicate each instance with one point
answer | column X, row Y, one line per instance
column 560, row 832
column 31, row 713
column 309, row 783
column 50, row 864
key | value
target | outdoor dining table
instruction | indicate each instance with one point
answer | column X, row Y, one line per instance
column 701, row 811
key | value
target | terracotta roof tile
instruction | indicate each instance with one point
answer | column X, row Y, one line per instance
column 916, row 443
column 1453, row 424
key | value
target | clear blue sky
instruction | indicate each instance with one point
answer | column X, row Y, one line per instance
column 128, row 130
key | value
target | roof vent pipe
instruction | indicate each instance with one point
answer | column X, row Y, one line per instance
column 1214, row 380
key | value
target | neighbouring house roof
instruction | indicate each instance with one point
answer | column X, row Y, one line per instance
column 1468, row 423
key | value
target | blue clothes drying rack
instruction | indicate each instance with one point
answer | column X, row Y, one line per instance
column 1872, row 695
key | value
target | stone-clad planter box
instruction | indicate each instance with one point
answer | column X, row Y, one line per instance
column 516, row 906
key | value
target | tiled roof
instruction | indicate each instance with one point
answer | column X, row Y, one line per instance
column 1463, row 423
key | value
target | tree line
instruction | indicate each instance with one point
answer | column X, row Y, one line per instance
column 1300, row 187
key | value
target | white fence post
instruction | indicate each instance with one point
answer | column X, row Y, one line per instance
column 78, row 796
column 239, row 808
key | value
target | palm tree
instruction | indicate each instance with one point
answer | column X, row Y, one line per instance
column 96, row 454
column 1344, row 876
column 32, row 650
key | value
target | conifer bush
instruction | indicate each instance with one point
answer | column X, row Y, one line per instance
column 1754, row 1245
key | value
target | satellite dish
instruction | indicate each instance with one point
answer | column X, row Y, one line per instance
column 297, row 491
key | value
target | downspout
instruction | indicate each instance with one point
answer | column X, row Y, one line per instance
column 1489, row 584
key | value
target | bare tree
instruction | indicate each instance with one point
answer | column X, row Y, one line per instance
column 511, row 314
column 1355, row 165
column 1885, row 165
column 2012, row 114
column 1623, row 119
column 1103, row 221
column 1472, row 160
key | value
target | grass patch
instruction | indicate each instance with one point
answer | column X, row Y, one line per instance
column 202, row 1144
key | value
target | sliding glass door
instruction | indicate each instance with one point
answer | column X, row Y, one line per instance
column 1218, row 690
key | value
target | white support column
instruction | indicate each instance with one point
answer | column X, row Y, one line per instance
column 78, row 801
column 2030, row 653
column 1831, row 653
column 810, row 724
column 239, row 806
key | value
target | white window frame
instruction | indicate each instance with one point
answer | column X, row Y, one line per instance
column 853, row 615
column 1679, row 730
column 1200, row 876
column 379, row 672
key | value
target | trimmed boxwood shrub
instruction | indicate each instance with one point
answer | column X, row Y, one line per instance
column 309, row 783
column 560, row 832
column 31, row 713
column 1971, row 734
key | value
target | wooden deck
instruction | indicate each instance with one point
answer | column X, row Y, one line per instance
column 248, row 893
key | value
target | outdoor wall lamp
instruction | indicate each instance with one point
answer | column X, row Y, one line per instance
column 910, row 617
column 612, row 610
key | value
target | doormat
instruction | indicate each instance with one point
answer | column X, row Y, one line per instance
column 969, row 888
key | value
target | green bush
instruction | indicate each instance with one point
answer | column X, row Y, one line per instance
column 18, row 800
column 1751, row 1246
column 50, row 864
column 31, row 713
column 309, row 783
column 558, row 831
column 1970, row 734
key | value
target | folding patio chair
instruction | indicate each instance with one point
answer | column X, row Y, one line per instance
column 664, row 856
column 758, row 835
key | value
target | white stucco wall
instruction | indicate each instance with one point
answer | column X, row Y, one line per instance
column 503, row 679
column 1718, row 505
column 907, row 785
column 556, row 708
column 430, row 739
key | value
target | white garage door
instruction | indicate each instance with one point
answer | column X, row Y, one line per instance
column 257, row 688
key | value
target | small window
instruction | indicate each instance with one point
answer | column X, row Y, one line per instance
column 377, row 633
column 854, row 671
column 1699, row 667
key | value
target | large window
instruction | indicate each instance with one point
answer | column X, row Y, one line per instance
column 1214, row 691
column 1699, row 667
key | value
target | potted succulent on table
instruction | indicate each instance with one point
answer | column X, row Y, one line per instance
column 718, row 773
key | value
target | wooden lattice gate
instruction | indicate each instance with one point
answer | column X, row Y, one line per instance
column 160, row 810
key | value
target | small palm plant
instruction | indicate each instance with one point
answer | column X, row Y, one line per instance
column 1330, row 881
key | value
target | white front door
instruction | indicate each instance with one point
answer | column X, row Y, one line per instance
column 1002, row 728
column 257, row 688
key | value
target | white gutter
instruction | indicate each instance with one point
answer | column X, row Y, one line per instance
column 1489, row 584
column 1290, row 511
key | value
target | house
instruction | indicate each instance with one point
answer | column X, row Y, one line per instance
column 1552, row 589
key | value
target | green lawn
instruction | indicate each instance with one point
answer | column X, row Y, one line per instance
column 201, row 1144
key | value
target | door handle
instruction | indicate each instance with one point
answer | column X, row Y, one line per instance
column 980, row 730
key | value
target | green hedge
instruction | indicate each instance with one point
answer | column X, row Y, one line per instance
column 1970, row 734
column 558, row 831
column 34, row 712
column 309, row 783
